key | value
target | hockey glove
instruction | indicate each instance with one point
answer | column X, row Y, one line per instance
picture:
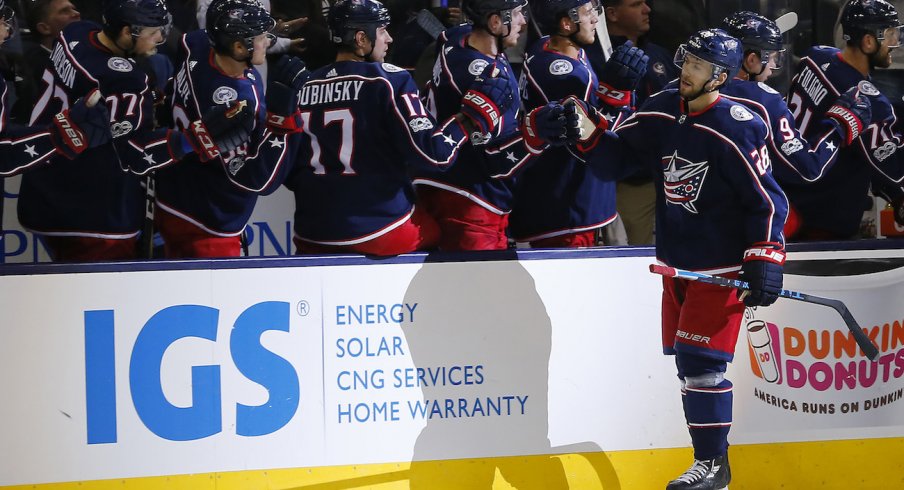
column 289, row 71
column 621, row 74
column 220, row 130
column 762, row 269
column 583, row 124
column 545, row 124
column 850, row 114
column 487, row 101
column 283, row 114
column 84, row 125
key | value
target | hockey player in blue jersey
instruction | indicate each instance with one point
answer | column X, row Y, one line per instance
column 559, row 201
column 794, row 159
column 93, row 209
column 364, row 130
column 472, row 200
column 71, row 132
column 832, row 207
column 719, row 210
column 204, row 202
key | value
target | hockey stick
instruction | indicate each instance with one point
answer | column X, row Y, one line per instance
column 150, row 202
column 863, row 341
column 602, row 36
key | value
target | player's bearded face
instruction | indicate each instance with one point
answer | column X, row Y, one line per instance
column 891, row 39
column 146, row 42
column 695, row 73
column 4, row 31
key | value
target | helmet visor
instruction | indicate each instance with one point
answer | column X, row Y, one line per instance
column 151, row 31
column 892, row 35
column 773, row 58
column 8, row 18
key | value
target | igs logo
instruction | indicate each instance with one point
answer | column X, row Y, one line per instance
column 147, row 357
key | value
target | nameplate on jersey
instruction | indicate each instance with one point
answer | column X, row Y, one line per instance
column 325, row 93
column 812, row 85
column 560, row 67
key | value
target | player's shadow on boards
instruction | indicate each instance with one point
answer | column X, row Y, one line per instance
column 482, row 339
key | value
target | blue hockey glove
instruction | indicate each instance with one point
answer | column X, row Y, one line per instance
column 850, row 114
column 487, row 101
column 583, row 124
column 762, row 269
column 621, row 74
column 289, row 71
column 84, row 125
column 545, row 124
column 220, row 130
column 283, row 114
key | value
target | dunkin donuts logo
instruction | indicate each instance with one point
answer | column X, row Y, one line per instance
column 824, row 361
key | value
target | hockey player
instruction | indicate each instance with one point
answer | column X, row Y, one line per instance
column 72, row 131
column 794, row 160
column 472, row 200
column 204, row 203
column 832, row 207
column 718, row 210
column 364, row 129
column 93, row 210
column 558, row 200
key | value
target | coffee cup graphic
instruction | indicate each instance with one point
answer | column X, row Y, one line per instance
column 764, row 357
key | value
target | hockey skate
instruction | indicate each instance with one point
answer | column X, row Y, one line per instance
column 710, row 474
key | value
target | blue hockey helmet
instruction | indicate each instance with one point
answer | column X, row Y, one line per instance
column 861, row 17
column 758, row 34
column 548, row 12
column 348, row 17
column 479, row 11
column 715, row 46
column 136, row 14
column 229, row 21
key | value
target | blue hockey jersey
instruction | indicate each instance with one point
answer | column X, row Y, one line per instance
column 364, row 129
column 485, row 173
column 93, row 196
column 558, row 193
column 219, row 196
column 837, row 201
column 715, row 193
column 21, row 147
column 794, row 159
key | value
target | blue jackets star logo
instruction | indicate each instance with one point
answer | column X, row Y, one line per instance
column 682, row 185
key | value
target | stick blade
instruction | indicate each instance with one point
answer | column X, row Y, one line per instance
column 663, row 270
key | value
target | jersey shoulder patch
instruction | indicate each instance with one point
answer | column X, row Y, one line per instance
column 867, row 88
column 223, row 95
column 390, row 68
column 767, row 88
column 740, row 113
column 116, row 63
column 476, row 67
column 560, row 67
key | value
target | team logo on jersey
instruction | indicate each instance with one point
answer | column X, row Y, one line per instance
column 560, row 67
column 683, row 180
column 389, row 67
column 420, row 124
column 885, row 151
column 739, row 113
column 659, row 68
column 766, row 88
column 476, row 67
column 792, row 146
column 119, row 64
column 120, row 128
column 478, row 138
column 867, row 88
column 224, row 95
column 235, row 164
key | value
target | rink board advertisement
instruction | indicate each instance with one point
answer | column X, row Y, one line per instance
column 117, row 375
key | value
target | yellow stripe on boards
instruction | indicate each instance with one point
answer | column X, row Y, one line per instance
column 842, row 465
